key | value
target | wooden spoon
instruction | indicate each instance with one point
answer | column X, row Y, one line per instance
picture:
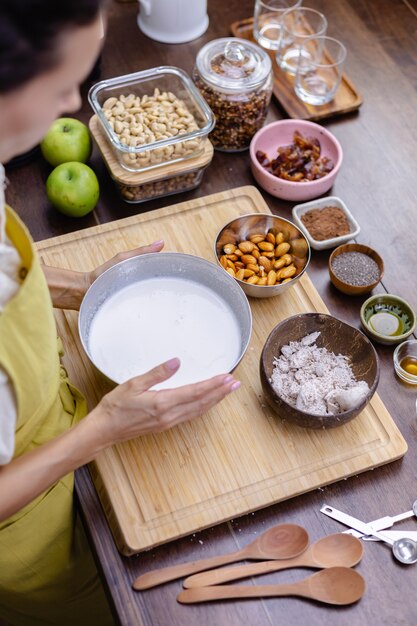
column 337, row 549
column 336, row 585
column 279, row 542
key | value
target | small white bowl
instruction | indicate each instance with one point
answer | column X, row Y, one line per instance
column 300, row 209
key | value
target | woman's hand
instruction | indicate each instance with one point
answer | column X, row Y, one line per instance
column 128, row 411
column 131, row 409
column 68, row 287
column 156, row 246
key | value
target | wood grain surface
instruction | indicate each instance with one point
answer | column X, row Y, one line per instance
column 377, row 182
column 238, row 457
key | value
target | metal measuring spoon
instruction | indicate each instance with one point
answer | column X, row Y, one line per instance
column 404, row 550
column 385, row 522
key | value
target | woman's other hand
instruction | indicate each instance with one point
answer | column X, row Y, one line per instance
column 68, row 287
column 156, row 246
column 133, row 409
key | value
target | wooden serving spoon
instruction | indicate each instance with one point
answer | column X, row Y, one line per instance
column 337, row 549
column 279, row 542
column 336, row 585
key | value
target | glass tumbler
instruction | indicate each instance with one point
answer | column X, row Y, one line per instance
column 297, row 26
column 319, row 70
column 267, row 20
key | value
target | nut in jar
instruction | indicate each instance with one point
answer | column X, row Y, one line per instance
column 235, row 78
column 152, row 118
column 139, row 121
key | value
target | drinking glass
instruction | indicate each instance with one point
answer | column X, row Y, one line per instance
column 297, row 26
column 267, row 20
column 319, row 70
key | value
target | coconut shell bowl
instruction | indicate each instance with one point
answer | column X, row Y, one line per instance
column 337, row 337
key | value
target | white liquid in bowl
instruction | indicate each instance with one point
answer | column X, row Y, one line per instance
column 157, row 319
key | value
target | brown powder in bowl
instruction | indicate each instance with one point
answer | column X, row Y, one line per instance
column 326, row 223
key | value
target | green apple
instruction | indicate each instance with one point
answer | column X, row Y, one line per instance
column 73, row 189
column 66, row 140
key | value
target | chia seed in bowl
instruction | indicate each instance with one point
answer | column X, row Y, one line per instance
column 355, row 269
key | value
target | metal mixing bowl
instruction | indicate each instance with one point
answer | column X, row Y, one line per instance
column 165, row 264
column 243, row 227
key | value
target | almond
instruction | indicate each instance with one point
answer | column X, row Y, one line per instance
column 287, row 272
column 257, row 238
column 223, row 261
column 266, row 245
column 279, row 263
column 229, row 248
column 287, row 258
column 282, row 248
column 247, row 259
column 271, row 278
column 246, row 246
column 265, row 263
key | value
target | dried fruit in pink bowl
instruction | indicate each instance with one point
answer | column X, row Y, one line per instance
column 300, row 161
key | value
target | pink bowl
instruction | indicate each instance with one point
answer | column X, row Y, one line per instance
column 281, row 133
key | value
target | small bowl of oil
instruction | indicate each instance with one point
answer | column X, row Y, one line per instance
column 387, row 319
column 405, row 361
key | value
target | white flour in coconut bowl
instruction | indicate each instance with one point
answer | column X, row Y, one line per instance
column 315, row 380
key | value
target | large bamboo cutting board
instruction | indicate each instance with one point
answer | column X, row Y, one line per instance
column 237, row 458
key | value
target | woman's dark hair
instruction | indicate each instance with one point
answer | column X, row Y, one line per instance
column 29, row 30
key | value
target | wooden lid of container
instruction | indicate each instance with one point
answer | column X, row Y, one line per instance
column 138, row 178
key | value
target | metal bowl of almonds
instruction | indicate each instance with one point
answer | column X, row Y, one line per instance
column 266, row 254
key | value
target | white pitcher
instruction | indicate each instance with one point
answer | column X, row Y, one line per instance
column 173, row 21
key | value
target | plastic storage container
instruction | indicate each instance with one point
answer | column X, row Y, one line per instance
column 136, row 187
column 152, row 118
column 235, row 78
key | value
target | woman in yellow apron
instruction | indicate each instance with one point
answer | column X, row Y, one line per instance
column 47, row 575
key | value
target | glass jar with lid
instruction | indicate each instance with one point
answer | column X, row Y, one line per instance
column 235, row 78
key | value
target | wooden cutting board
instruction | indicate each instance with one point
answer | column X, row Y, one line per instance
column 237, row 458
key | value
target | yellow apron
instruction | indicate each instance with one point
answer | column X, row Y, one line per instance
column 47, row 574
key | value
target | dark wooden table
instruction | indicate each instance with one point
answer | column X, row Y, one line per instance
column 378, row 183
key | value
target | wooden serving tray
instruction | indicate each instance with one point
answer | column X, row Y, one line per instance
column 346, row 100
column 238, row 457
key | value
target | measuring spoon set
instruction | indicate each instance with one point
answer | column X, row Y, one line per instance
column 281, row 547
column 403, row 543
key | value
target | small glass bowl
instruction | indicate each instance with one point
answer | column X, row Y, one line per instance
column 157, row 153
column 403, row 350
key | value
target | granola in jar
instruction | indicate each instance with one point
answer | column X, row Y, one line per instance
column 235, row 78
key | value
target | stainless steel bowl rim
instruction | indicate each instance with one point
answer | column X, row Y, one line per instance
column 268, row 215
column 158, row 256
